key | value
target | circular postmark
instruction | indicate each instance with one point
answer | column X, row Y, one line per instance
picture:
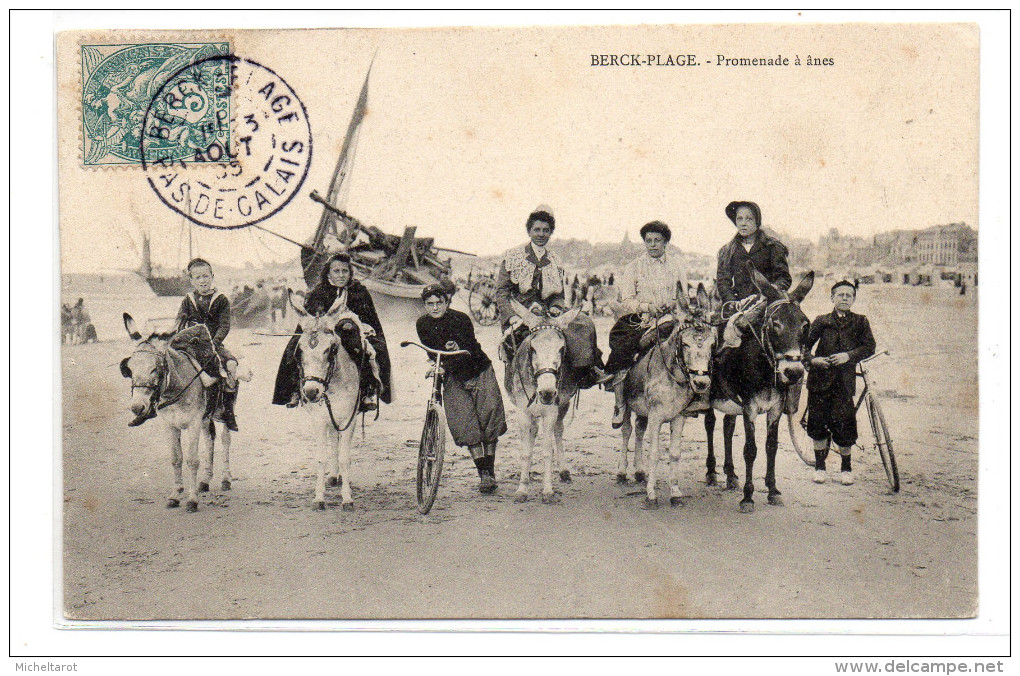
column 226, row 142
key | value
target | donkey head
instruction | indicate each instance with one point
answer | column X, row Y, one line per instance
column 785, row 326
column 318, row 344
column 146, row 367
column 548, row 348
column 696, row 344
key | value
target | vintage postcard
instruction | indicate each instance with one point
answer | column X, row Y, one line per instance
column 674, row 321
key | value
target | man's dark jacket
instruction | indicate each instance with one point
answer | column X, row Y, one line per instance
column 768, row 256
column 850, row 334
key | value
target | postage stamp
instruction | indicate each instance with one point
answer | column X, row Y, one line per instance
column 118, row 84
column 198, row 169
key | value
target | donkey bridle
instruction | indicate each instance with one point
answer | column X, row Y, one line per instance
column 542, row 371
column 766, row 342
column 162, row 374
column 678, row 355
column 330, row 370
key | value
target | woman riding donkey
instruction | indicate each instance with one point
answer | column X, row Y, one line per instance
column 648, row 288
column 751, row 249
column 202, row 324
column 471, row 396
column 532, row 275
column 338, row 278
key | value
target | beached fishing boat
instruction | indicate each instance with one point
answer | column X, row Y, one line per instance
column 395, row 269
column 162, row 281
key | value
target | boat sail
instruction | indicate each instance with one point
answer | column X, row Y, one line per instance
column 394, row 269
column 163, row 284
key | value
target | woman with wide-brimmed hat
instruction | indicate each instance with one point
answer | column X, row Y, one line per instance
column 751, row 245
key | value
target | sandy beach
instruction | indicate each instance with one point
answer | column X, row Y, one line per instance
column 260, row 551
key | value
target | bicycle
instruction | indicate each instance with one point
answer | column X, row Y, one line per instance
column 432, row 446
column 879, row 429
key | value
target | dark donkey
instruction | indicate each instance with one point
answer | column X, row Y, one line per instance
column 755, row 377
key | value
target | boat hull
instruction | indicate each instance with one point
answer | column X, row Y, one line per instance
column 169, row 286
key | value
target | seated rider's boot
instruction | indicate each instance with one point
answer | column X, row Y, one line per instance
column 295, row 399
column 600, row 376
column 142, row 417
column 369, row 397
column 699, row 404
column 227, row 414
column 618, row 409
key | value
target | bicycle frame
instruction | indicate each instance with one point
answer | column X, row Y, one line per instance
column 436, row 393
column 863, row 375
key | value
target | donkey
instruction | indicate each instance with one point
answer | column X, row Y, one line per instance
column 330, row 389
column 541, row 385
column 755, row 377
column 662, row 384
column 174, row 383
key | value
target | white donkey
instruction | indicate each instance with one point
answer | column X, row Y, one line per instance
column 660, row 387
column 330, row 390
column 174, row 383
column 541, row 384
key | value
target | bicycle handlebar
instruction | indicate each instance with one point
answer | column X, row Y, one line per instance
column 444, row 353
column 874, row 356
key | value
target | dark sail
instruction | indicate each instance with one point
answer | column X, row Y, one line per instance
column 313, row 254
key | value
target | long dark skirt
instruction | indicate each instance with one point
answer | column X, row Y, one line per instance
column 474, row 409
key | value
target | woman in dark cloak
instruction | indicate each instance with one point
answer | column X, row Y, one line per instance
column 338, row 276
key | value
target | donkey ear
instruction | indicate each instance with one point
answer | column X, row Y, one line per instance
column 803, row 287
column 567, row 317
column 298, row 305
column 125, row 370
column 531, row 320
column 762, row 283
column 339, row 305
column 704, row 302
column 682, row 301
column 129, row 325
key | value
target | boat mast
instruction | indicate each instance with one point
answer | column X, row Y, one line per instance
column 327, row 224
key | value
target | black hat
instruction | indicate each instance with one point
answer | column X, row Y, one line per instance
column 844, row 282
column 731, row 210
column 656, row 226
column 441, row 290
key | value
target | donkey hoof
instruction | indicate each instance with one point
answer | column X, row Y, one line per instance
column 225, row 485
column 565, row 476
column 732, row 483
column 319, row 505
column 776, row 499
column 640, row 477
column 650, row 503
column 347, row 507
column 676, row 501
column 746, row 506
column 331, row 482
column 550, row 499
column 521, row 497
column 190, row 506
column 203, row 487
column 621, row 478
column 173, row 502
column 710, row 479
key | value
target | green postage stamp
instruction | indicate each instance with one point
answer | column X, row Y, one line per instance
column 121, row 82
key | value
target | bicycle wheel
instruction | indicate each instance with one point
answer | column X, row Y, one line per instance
column 430, row 458
column 801, row 441
column 884, row 443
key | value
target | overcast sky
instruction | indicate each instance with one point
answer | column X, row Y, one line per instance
column 468, row 130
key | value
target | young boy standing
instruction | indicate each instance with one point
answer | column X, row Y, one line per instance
column 843, row 339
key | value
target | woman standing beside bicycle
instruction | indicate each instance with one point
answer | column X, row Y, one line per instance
column 843, row 340
column 471, row 396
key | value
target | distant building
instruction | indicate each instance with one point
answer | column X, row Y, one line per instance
column 947, row 245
